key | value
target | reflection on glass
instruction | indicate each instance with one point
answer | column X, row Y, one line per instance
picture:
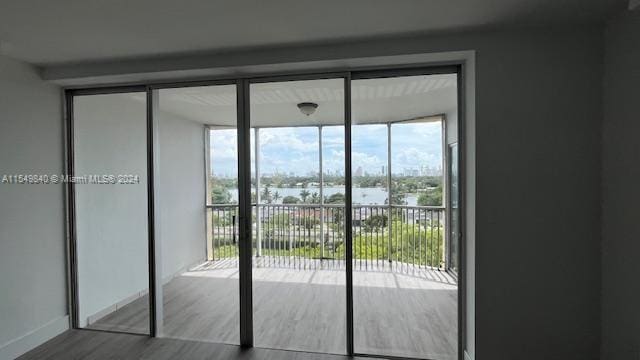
column 111, row 218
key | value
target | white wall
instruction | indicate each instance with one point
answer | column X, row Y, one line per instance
column 181, row 192
column 621, row 195
column 538, row 116
column 111, row 219
column 32, row 246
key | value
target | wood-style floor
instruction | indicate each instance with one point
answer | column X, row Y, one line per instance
column 97, row 345
column 304, row 310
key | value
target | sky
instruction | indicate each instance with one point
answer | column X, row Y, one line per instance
column 287, row 150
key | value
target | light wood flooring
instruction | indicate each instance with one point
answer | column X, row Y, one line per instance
column 395, row 314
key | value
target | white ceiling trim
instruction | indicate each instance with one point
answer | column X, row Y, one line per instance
column 231, row 65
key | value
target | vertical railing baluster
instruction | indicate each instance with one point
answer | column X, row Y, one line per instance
column 274, row 240
column 311, row 225
column 369, row 233
column 378, row 239
column 413, row 238
column 432, row 239
column 288, row 236
column 273, row 222
column 400, row 239
column 315, row 237
column 366, row 240
column 214, row 234
column 359, row 238
column 219, row 234
column 224, row 234
column 283, row 228
column 439, row 256
column 419, row 226
column 298, row 238
column 218, row 238
column 332, row 235
column 278, row 219
column 266, row 233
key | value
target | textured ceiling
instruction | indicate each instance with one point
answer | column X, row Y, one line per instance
column 275, row 104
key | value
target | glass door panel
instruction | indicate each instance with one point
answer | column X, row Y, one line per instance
column 298, row 224
column 110, row 158
column 197, row 201
column 405, row 304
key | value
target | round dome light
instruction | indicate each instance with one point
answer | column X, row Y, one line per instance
column 307, row 108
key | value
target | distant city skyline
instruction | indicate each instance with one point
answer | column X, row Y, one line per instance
column 416, row 149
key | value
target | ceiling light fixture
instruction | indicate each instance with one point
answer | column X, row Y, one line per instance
column 307, row 108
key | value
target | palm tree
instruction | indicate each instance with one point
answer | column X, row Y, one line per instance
column 304, row 194
column 266, row 194
column 276, row 196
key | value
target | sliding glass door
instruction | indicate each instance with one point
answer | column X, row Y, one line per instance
column 110, row 191
column 404, row 300
column 298, row 149
column 196, row 183
column 313, row 213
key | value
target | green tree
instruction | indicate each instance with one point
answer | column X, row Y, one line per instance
column 309, row 222
column 375, row 222
column 398, row 197
column 337, row 198
column 304, row 194
column 266, row 195
column 220, row 195
column 431, row 197
column 290, row 200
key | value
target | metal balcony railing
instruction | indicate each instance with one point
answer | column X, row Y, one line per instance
column 311, row 236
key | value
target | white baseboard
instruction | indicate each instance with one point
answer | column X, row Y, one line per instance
column 33, row 338
column 112, row 308
column 467, row 356
column 135, row 296
column 182, row 270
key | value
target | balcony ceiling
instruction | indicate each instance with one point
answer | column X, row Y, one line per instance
column 45, row 32
column 275, row 104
